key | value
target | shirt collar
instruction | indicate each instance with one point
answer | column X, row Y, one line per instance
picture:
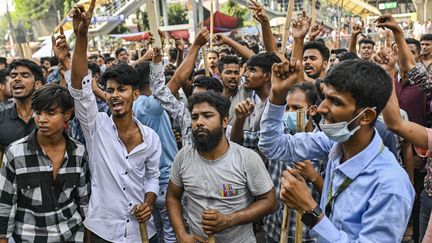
column 33, row 145
column 13, row 112
column 355, row 165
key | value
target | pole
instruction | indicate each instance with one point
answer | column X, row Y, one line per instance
column 313, row 12
column 211, row 24
column 143, row 231
column 299, row 225
column 153, row 23
column 11, row 29
column 287, row 26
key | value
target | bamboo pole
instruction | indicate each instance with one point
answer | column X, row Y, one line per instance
column 211, row 24
column 153, row 24
column 143, row 231
column 299, row 225
column 211, row 239
column 313, row 13
column 287, row 26
column 284, row 229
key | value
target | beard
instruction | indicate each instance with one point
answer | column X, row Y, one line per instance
column 207, row 142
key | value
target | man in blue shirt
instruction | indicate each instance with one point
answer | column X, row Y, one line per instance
column 367, row 196
column 150, row 113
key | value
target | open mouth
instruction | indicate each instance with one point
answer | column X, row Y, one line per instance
column 116, row 105
column 17, row 88
column 308, row 69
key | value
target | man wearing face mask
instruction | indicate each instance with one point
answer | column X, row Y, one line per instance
column 367, row 196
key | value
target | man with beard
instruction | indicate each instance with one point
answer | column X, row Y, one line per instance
column 426, row 51
column 6, row 98
column 124, row 154
column 366, row 49
column 17, row 121
column 227, row 186
column 315, row 59
column 212, row 60
column 229, row 69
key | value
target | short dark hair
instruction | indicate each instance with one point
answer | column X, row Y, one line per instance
column 225, row 60
column 217, row 100
column 143, row 70
column 35, row 69
column 51, row 96
column 412, row 41
column 213, row 51
column 172, row 53
column 263, row 60
column 346, row 56
column 109, row 59
column 94, row 68
column 366, row 41
column 209, row 83
column 123, row 74
column 3, row 60
column 338, row 51
column 426, row 37
column 43, row 59
column 117, row 52
column 3, row 74
column 308, row 89
column 255, row 48
column 323, row 50
column 367, row 82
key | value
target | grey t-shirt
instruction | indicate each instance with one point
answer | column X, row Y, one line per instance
column 227, row 184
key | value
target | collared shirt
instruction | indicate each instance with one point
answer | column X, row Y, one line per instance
column 176, row 109
column 33, row 206
column 374, row 208
column 120, row 178
column 6, row 104
column 12, row 127
column 419, row 76
column 150, row 113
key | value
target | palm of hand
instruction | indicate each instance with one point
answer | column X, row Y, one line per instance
column 300, row 29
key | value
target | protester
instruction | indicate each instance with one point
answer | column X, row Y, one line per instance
column 6, row 98
column 124, row 155
column 45, row 177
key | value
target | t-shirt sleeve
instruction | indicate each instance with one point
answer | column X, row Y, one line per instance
column 422, row 152
column 258, row 179
column 175, row 169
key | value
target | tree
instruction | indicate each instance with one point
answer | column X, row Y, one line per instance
column 177, row 14
column 232, row 8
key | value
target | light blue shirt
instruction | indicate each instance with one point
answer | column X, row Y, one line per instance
column 375, row 207
column 150, row 113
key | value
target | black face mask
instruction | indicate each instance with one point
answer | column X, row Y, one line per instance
column 207, row 142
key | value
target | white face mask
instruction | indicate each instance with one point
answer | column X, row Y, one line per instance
column 339, row 132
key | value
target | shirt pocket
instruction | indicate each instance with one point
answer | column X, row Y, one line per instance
column 71, row 184
column 30, row 190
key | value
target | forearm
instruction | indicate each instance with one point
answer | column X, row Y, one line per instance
column 297, row 54
column 406, row 58
column 180, row 58
column 408, row 159
column 237, row 131
column 99, row 92
column 352, row 47
column 243, row 51
column 79, row 61
column 268, row 39
column 184, row 70
column 256, row 211
column 318, row 182
column 3, row 240
column 175, row 213
column 150, row 198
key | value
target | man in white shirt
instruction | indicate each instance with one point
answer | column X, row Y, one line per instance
column 124, row 154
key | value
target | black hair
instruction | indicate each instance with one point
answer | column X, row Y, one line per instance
column 209, row 83
column 338, row 51
column 225, row 50
column 93, row 56
column 109, row 59
column 195, row 73
column 3, row 60
column 173, row 53
column 366, row 41
column 321, row 40
column 243, row 43
column 51, row 96
column 143, row 70
column 263, row 60
column 94, row 68
column 213, row 51
column 323, row 50
column 3, row 75
column 123, row 74
column 346, row 56
column 412, row 41
column 43, row 67
column 34, row 68
column 308, row 89
column 225, row 60
column 117, row 52
column 367, row 82
column 217, row 100
column 255, row 48
column 426, row 37
column 43, row 59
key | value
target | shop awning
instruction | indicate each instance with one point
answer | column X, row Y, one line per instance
column 357, row 7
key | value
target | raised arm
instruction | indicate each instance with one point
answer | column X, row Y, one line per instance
column 356, row 31
column 185, row 69
column 81, row 22
column 179, row 45
column 242, row 111
column 243, row 51
column 300, row 28
column 259, row 13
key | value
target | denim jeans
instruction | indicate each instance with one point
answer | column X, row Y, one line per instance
column 164, row 231
column 425, row 211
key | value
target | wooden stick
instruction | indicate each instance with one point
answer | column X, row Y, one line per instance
column 153, row 24
column 313, row 13
column 284, row 229
column 298, row 223
column 287, row 26
column 211, row 24
column 211, row 239
column 143, row 231
column 206, row 66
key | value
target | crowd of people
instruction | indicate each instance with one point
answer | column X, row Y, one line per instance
column 97, row 148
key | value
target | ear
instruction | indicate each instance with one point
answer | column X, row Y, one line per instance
column 368, row 117
column 136, row 94
column 325, row 64
column 225, row 122
column 38, row 84
column 313, row 110
column 2, row 86
column 267, row 77
column 68, row 114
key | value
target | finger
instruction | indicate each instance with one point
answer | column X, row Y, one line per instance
column 61, row 30
column 295, row 174
column 53, row 41
column 199, row 239
column 92, row 6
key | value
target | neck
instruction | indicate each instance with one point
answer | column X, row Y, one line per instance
column 229, row 92
column 213, row 70
column 2, row 97
column 218, row 151
column 263, row 92
column 357, row 143
column 427, row 57
column 123, row 123
column 51, row 141
column 23, row 107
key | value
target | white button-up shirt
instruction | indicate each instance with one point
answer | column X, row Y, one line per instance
column 119, row 179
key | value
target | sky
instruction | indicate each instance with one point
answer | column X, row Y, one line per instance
column 3, row 6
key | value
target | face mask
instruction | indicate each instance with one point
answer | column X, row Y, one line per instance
column 290, row 120
column 339, row 132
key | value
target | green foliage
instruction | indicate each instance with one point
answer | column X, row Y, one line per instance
column 232, row 8
column 177, row 14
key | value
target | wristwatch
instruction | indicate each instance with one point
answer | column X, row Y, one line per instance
column 311, row 218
